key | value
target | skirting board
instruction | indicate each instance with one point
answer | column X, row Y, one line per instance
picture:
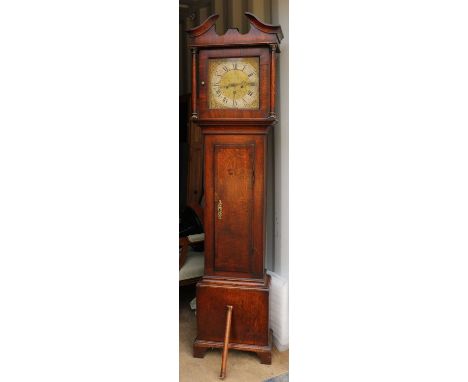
column 279, row 311
column 279, row 345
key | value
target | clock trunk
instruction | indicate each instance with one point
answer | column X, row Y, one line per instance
column 235, row 204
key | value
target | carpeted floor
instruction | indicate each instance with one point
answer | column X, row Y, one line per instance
column 241, row 366
column 280, row 378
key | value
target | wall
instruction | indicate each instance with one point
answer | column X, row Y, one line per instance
column 280, row 15
column 280, row 304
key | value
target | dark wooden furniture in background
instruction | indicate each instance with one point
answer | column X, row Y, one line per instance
column 190, row 159
column 184, row 117
column 195, row 168
column 190, row 258
column 235, row 171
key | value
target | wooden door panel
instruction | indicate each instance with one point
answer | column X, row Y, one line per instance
column 233, row 168
column 234, row 240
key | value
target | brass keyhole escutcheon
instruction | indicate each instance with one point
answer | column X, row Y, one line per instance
column 220, row 209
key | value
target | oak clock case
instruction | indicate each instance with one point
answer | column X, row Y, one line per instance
column 233, row 101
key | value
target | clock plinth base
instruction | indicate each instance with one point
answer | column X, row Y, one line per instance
column 200, row 348
column 250, row 312
column 199, row 351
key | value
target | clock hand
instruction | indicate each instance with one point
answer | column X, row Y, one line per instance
column 248, row 83
column 242, row 84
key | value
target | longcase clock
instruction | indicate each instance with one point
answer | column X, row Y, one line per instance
column 233, row 102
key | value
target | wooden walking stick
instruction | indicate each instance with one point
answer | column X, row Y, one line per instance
column 227, row 333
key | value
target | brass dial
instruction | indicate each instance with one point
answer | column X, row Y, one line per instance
column 234, row 83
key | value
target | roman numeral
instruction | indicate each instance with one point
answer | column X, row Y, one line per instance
column 234, row 102
column 249, row 93
column 225, row 69
column 250, row 75
column 224, row 99
column 234, row 66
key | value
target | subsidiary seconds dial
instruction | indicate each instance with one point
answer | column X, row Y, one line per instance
column 234, row 83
